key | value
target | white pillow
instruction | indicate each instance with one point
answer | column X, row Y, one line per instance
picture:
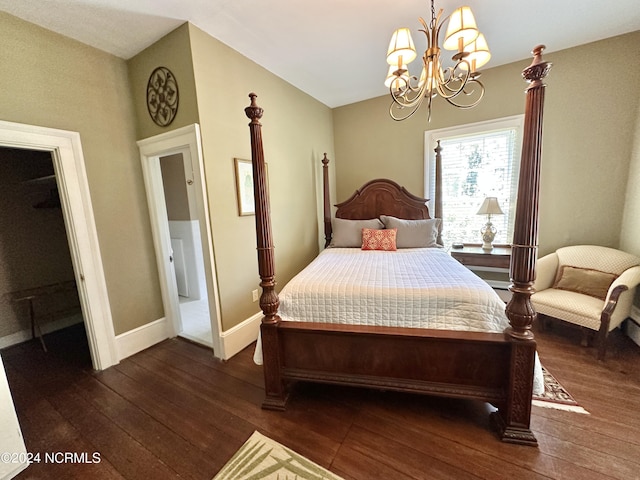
column 414, row 233
column 348, row 233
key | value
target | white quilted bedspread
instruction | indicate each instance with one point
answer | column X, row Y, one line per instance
column 413, row 287
column 417, row 288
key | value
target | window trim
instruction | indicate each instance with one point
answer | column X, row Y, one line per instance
column 431, row 137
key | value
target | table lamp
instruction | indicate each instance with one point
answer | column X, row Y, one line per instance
column 489, row 207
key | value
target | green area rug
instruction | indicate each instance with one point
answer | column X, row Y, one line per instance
column 262, row 458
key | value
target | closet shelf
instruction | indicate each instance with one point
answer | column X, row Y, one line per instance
column 45, row 179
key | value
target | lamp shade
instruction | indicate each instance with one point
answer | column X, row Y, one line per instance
column 479, row 53
column 461, row 29
column 401, row 45
column 398, row 83
column 490, row 206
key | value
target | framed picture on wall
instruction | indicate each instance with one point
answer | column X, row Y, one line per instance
column 244, row 187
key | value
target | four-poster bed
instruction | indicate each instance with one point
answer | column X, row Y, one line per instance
column 420, row 360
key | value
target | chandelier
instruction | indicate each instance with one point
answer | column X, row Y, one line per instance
column 457, row 84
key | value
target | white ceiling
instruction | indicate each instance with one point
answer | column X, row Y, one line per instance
column 334, row 50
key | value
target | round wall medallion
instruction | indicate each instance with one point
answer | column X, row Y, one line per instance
column 162, row 96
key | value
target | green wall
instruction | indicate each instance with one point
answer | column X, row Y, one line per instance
column 52, row 81
column 589, row 133
column 296, row 131
column 214, row 83
column 630, row 235
column 172, row 51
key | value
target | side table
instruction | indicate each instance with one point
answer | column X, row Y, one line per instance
column 475, row 258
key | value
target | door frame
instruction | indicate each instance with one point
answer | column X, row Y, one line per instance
column 65, row 148
column 185, row 140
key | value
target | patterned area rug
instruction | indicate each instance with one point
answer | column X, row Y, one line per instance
column 262, row 458
column 556, row 396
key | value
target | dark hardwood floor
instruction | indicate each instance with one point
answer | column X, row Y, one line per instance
column 173, row 411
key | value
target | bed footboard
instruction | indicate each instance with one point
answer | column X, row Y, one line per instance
column 488, row 367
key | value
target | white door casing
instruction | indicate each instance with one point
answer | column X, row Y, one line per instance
column 68, row 163
column 185, row 140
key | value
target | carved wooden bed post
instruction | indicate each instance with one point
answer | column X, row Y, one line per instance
column 327, row 201
column 514, row 422
column 269, row 302
column 437, row 213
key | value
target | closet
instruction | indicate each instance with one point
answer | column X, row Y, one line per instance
column 37, row 286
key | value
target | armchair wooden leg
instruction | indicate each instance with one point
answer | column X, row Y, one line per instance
column 605, row 320
column 602, row 345
column 585, row 339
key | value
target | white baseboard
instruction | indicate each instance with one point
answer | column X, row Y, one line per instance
column 239, row 337
column 129, row 343
column 138, row 339
column 48, row 327
column 234, row 340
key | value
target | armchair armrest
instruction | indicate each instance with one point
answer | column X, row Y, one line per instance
column 617, row 305
column 546, row 269
column 630, row 278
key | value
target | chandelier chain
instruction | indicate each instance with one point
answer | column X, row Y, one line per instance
column 432, row 24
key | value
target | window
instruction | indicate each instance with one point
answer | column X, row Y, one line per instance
column 478, row 160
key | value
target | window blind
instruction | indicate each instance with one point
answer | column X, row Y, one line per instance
column 477, row 161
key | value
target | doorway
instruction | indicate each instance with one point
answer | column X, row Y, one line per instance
column 176, row 195
column 65, row 151
column 37, row 279
column 186, row 249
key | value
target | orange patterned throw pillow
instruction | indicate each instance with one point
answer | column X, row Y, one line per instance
column 379, row 239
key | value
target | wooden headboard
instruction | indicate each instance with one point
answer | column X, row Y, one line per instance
column 381, row 197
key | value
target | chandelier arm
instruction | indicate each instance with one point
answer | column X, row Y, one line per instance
column 444, row 78
column 469, row 105
column 439, row 24
column 426, row 31
column 446, row 91
column 403, row 117
column 432, row 31
column 407, row 95
column 402, row 102
column 444, row 87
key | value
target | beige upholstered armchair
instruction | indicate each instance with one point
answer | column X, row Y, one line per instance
column 589, row 286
